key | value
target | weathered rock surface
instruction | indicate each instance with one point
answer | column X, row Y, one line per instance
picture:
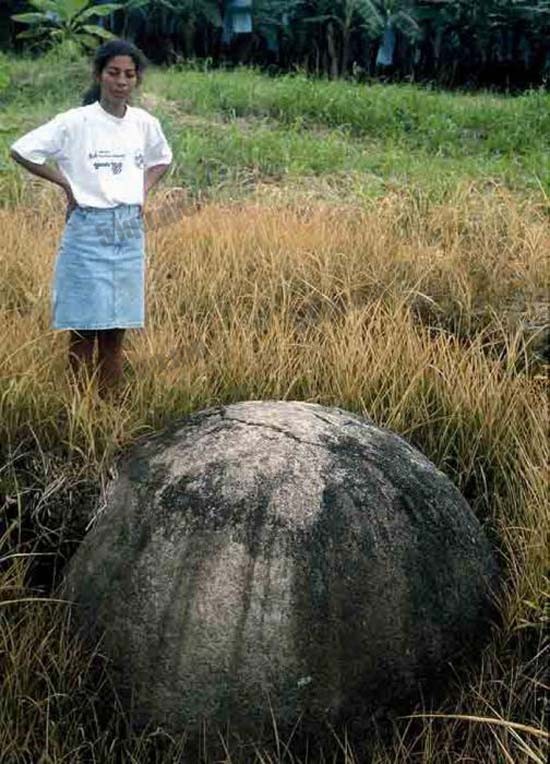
column 283, row 555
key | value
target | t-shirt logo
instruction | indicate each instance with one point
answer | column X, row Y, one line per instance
column 107, row 158
column 139, row 159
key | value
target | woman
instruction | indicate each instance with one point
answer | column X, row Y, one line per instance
column 108, row 155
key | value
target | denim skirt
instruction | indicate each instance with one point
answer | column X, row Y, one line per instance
column 99, row 270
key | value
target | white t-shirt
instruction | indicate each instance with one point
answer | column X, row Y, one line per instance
column 103, row 157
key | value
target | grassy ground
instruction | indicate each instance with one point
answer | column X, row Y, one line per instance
column 380, row 249
column 231, row 129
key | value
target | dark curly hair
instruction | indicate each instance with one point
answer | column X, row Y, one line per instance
column 104, row 54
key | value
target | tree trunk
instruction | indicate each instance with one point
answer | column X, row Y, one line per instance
column 345, row 51
column 332, row 52
column 346, row 37
column 189, row 38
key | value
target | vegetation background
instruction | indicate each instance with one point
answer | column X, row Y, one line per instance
column 380, row 247
column 502, row 43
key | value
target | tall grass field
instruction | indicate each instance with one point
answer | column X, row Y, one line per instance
column 379, row 248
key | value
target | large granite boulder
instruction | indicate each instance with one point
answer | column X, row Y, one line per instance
column 277, row 557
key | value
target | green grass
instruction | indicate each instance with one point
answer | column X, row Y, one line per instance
column 247, row 127
column 447, row 123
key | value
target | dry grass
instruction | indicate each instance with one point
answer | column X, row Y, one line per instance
column 427, row 317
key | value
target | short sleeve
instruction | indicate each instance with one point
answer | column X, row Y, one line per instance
column 45, row 142
column 157, row 150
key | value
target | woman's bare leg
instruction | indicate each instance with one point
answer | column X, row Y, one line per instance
column 81, row 354
column 109, row 342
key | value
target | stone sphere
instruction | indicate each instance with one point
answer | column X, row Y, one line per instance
column 278, row 558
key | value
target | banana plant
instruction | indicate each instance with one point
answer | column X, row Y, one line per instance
column 343, row 18
column 164, row 18
column 165, row 15
column 401, row 14
column 55, row 22
column 460, row 30
column 274, row 18
column 191, row 15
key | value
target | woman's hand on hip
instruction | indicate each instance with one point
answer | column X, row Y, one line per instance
column 71, row 201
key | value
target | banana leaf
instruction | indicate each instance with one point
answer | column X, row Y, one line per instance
column 31, row 18
column 99, row 10
column 98, row 31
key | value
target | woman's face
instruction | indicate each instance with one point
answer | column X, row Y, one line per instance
column 118, row 78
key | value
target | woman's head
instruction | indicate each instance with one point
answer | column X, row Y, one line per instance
column 118, row 69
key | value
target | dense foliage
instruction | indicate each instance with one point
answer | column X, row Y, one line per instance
column 454, row 42
column 65, row 21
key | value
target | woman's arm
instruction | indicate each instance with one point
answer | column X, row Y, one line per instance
column 152, row 176
column 48, row 173
column 157, row 155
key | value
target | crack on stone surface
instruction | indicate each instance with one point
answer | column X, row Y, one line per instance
column 340, row 424
column 277, row 429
